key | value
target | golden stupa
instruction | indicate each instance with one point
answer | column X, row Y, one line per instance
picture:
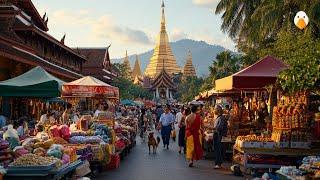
column 136, row 72
column 162, row 57
column 189, row 70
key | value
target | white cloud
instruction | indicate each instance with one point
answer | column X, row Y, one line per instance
column 206, row 3
column 177, row 34
column 106, row 28
column 83, row 28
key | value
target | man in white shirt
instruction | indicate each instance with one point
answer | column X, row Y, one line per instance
column 166, row 121
column 98, row 111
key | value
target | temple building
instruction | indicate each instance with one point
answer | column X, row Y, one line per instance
column 98, row 64
column 163, row 87
column 136, row 72
column 189, row 70
column 158, row 76
column 25, row 43
column 162, row 57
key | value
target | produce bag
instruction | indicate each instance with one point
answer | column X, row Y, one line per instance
column 11, row 135
column 43, row 136
column 54, row 131
column 65, row 132
column 97, row 153
column 20, row 151
column 39, row 151
column 71, row 152
column 65, row 159
column 55, row 151
column 115, row 162
column 4, row 144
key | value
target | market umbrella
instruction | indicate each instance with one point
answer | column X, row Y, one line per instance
column 139, row 103
column 149, row 103
column 194, row 102
column 128, row 102
column 254, row 77
column 89, row 86
column 35, row 83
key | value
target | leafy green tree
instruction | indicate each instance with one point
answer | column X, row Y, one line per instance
column 301, row 52
column 127, row 89
column 224, row 65
column 188, row 89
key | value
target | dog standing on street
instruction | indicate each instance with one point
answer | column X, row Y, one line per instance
column 152, row 142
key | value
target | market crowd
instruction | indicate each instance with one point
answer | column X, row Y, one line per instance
column 187, row 120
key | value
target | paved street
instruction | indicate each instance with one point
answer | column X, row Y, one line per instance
column 165, row 165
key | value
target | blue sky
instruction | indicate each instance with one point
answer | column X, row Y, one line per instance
column 131, row 24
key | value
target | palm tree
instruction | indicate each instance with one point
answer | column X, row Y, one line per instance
column 256, row 22
column 236, row 16
column 225, row 65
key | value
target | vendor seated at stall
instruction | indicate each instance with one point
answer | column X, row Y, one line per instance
column 44, row 119
column 262, row 115
column 106, row 114
column 23, row 127
column 66, row 116
column 99, row 110
column 41, row 134
column 76, row 116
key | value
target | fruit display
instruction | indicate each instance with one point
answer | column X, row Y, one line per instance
column 291, row 171
column 281, row 137
column 253, row 141
column 291, row 113
column 34, row 160
column 310, row 164
column 5, row 154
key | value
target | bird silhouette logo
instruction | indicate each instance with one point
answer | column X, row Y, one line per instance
column 301, row 20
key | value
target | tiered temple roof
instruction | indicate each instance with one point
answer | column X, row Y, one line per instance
column 98, row 64
column 189, row 70
column 24, row 42
column 162, row 57
column 163, row 80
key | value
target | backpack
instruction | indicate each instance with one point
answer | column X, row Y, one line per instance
column 223, row 126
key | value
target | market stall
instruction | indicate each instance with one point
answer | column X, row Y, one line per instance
column 255, row 77
column 90, row 91
column 28, row 93
column 291, row 137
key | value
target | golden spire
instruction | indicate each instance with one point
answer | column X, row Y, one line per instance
column 162, row 57
column 136, row 69
column 189, row 70
column 163, row 18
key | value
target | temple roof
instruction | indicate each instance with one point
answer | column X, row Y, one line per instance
column 28, row 7
column 189, row 70
column 136, row 69
column 163, row 80
column 162, row 57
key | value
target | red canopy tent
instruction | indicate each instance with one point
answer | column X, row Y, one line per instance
column 89, row 87
column 255, row 77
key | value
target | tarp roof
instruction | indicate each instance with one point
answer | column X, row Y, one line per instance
column 35, row 83
column 89, row 86
column 257, row 76
column 88, row 81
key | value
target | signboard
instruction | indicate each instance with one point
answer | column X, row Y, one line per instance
column 89, row 91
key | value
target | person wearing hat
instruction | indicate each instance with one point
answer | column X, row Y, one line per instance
column 165, row 122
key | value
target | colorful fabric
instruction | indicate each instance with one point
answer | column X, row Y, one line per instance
column 193, row 136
